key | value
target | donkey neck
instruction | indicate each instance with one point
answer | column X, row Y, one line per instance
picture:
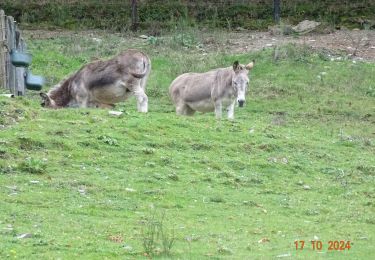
column 61, row 94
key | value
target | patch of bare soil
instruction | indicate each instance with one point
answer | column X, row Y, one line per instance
column 357, row 44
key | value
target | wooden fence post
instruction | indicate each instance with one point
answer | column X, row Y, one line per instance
column 11, row 45
column 20, row 71
column 3, row 75
column 11, row 77
column 134, row 25
column 276, row 11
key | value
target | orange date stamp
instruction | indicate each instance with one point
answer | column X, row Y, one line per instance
column 336, row 245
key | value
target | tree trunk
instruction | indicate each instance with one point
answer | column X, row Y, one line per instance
column 134, row 26
column 276, row 11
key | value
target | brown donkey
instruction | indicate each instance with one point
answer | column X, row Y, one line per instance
column 104, row 83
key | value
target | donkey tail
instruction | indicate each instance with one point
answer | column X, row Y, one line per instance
column 146, row 66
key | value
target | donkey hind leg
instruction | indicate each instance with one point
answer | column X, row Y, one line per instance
column 142, row 100
column 144, row 81
column 184, row 109
column 230, row 110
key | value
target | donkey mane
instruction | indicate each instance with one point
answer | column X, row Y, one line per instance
column 61, row 92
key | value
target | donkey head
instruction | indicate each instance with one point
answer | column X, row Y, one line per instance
column 47, row 101
column 240, row 80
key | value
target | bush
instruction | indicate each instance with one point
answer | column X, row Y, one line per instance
column 34, row 166
column 252, row 14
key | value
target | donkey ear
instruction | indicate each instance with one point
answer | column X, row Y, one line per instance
column 250, row 65
column 44, row 96
column 236, row 65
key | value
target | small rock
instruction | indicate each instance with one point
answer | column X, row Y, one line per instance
column 284, row 160
column 128, row 248
column 225, row 250
column 82, row 190
column 26, row 235
column 240, row 29
column 272, row 159
column 306, row 187
column 7, row 95
column 96, row 39
column 130, row 190
column 284, row 255
column 34, row 182
column 8, row 227
column 115, row 113
column 143, row 36
column 305, row 26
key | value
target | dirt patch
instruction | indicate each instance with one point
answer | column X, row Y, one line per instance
column 358, row 44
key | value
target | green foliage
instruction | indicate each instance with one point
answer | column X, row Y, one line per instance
column 34, row 166
column 157, row 15
column 156, row 236
column 108, row 140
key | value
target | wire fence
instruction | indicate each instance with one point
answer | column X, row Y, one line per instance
column 11, row 77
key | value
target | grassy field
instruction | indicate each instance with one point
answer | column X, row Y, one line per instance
column 297, row 163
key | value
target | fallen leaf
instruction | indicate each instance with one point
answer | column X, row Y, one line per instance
column 264, row 240
column 116, row 239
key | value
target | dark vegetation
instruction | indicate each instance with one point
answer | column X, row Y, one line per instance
column 158, row 15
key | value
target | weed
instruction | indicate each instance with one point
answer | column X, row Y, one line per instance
column 155, row 235
column 34, row 166
column 108, row 140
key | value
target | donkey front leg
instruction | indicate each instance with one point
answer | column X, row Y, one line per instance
column 218, row 109
column 230, row 110
column 80, row 95
column 82, row 100
column 142, row 100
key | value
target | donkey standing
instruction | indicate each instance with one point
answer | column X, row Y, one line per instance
column 211, row 91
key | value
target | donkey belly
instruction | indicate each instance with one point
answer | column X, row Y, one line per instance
column 205, row 105
column 110, row 94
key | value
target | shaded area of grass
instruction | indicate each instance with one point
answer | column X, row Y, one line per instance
column 296, row 164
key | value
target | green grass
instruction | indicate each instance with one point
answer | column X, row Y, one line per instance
column 297, row 162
